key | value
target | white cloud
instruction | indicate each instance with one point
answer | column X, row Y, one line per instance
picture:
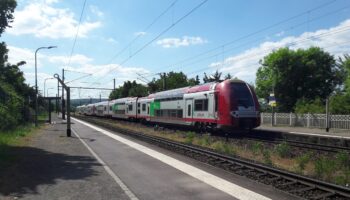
column 110, row 70
column 141, row 33
column 77, row 59
column 16, row 55
column 95, row 10
column 335, row 40
column 178, row 42
column 279, row 34
column 111, row 40
column 44, row 20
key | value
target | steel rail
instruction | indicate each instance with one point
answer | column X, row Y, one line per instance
column 257, row 137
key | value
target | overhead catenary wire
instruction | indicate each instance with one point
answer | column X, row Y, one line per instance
column 144, row 30
column 77, row 33
column 219, row 47
column 159, row 35
column 244, row 44
column 346, row 28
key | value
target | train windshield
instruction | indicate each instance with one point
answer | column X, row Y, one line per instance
column 241, row 93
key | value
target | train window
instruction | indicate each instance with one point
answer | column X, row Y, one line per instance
column 201, row 105
column 130, row 107
column 242, row 94
column 179, row 113
column 110, row 107
column 138, row 105
column 143, row 107
column 138, row 111
column 189, row 111
column 147, row 109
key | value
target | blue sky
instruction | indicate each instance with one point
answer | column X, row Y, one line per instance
column 229, row 30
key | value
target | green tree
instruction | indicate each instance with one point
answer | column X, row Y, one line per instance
column 340, row 101
column 340, row 104
column 7, row 7
column 138, row 90
column 344, row 63
column 228, row 76
column 194, row 81
column 297, row 74
column 216, row 77
column 314, row 106
column 173, row 80
column 129, row 89
column 14, row 93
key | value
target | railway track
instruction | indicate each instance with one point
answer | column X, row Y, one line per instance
column 293, row 143
column 265, row 136
column 293, row 184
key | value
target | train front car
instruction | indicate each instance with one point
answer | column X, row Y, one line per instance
column 237, row 105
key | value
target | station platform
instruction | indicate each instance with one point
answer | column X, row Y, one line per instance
column 335, row 137
column 99, row 164
column 52, row 166
column 332, row 133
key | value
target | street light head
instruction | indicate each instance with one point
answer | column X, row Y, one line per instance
column 51, row 47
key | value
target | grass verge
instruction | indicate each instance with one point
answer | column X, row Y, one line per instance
column 15, row 137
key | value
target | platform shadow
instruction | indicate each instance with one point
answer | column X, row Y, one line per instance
column 30, row 167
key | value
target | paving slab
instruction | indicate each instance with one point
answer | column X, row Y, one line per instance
column 53, row 166
column 152, row 178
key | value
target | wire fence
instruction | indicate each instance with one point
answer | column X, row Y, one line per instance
column 307, row 120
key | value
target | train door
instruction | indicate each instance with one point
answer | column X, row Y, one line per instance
column 189, row 110
column 148, row 109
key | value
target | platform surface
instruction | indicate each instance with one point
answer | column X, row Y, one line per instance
column 99, row 164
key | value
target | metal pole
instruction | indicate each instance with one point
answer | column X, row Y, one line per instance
column 63, row 103
column 44, row 86
column 50, row 111
column 272, row 117
column 36, row 83
column 327, row 114
column 68, row 113
column 56, row 104
column 58, row 94
column 36, row 91
column 114, row 84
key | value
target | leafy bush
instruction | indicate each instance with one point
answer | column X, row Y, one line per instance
column 189, row 137
column 223, row 147
column 340, row 104
column 303, row 160
column 324, row 167
column 257, row 148
column 204, row 140
column 267, row 157
column 283, row 150
column 315, row 106
column 10, row 107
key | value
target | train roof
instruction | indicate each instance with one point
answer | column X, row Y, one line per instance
column 122, row 100
column 175, row 93
column 202, row 88
column 179, row 92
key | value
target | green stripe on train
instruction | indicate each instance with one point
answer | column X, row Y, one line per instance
column 154, row 106
column 115, row 107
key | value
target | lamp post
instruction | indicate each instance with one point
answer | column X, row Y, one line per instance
column 36, row 83
column 45, row 84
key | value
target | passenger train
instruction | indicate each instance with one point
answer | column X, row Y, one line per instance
column 228, row 105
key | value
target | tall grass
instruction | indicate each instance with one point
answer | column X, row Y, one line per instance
column 12, row 138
